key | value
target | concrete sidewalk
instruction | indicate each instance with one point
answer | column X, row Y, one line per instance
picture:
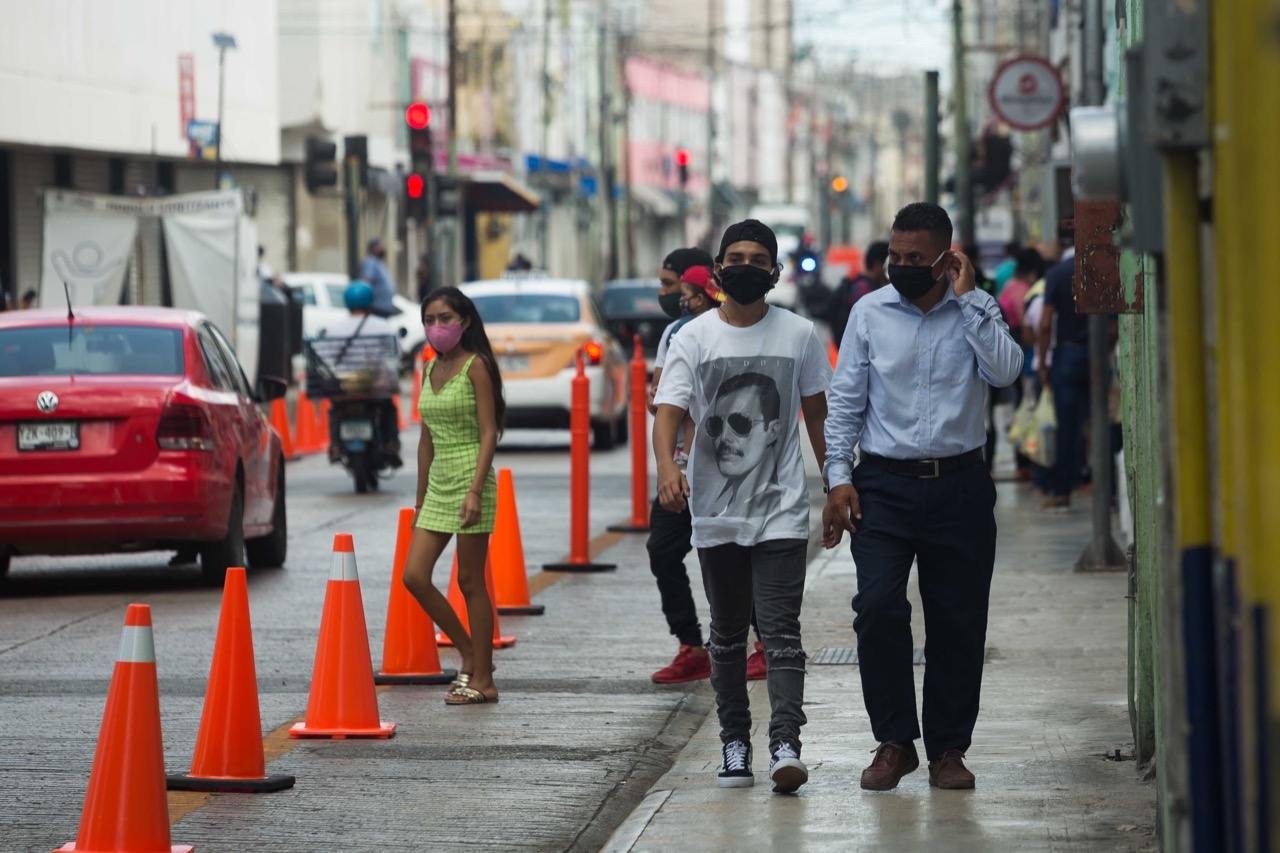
column 1054, row 715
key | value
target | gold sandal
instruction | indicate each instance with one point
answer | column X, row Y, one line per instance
column 467, row 696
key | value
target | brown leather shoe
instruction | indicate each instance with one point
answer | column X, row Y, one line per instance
column 950, row 773
column 893, row 761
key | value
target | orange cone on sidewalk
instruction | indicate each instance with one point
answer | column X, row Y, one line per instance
column 343, row 702
column 459, row 605
column 395, row 401
column 506, row 551
column 832, row 352
column 280, row 421
column 409, row 653
column 125, row 808
column 228, row 754
column 322, row 425
column 415, row 417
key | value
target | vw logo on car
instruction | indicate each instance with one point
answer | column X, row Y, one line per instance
column 47, row 402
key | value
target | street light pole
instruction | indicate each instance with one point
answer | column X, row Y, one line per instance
column 221, row 41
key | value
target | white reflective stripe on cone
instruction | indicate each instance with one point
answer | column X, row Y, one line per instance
column 137, row 645
column 343, row 567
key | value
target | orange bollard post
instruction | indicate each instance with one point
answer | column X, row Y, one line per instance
column 125, row 808
column 506, row 555
column 280, row 422
column 415, row 417
column 639, row 414
column 343, row 702
column 580, row 480
column 459, row 605
column 228, row 754
column 304, row 438
column 409, row 653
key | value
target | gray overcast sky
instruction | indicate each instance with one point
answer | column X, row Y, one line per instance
column 889, row 34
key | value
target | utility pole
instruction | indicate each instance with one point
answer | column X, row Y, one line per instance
column 711, row 119
column 960, row 109
column 931, row 137
column 1102, row 553
column 457, row 235
column 222, row 41
column 545, row 162
column 606, row 159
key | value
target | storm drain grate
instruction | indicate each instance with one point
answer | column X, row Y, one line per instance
column 848, row 656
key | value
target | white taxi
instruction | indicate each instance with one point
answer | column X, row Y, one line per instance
column 537, row 326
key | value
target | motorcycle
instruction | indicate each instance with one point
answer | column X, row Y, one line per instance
column 359, row 376
column 358, row 439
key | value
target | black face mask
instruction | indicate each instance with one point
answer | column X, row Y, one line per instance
column 746, row 284
column 912, row 282
column 670, row 303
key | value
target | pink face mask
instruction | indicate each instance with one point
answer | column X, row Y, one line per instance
column 444, row 338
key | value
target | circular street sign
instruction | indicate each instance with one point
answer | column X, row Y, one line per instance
column 1026, row 93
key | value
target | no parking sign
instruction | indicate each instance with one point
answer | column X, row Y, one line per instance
column 1026, row 93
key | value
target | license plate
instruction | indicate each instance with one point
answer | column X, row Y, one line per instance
column 49, row 435
column 356, row 430
column 513, row 363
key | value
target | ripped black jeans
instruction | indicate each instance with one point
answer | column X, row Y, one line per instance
column 770, row 575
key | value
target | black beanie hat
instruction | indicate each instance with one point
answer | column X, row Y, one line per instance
column 752, row 230
column 681, row 259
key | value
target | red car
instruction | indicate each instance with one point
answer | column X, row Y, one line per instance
column 134, row 429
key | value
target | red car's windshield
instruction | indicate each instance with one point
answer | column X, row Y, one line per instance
column 91, row 350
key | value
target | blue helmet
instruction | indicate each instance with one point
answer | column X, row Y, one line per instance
column 358, row 296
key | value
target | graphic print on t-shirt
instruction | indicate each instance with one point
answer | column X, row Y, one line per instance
column 741, row 436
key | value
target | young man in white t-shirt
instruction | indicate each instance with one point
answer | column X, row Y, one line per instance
column 745, row 372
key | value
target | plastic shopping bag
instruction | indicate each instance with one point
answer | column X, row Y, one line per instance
column 1041, row 443
column 1023, row 420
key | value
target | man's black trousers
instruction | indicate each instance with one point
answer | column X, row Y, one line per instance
column 947, row 525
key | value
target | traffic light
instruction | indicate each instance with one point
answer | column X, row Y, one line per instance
column 321, row 170
column 682, row 166
column 417, row 117
column 839, row 184
column 415, row 193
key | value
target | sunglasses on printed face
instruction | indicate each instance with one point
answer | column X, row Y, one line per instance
column 738, row 422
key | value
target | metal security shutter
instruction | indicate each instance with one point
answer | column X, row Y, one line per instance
column 146, row 271
column 32, row 171
column 90, row 174
column 269, row 192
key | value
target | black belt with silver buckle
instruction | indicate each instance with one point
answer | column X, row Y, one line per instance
column 927, row 468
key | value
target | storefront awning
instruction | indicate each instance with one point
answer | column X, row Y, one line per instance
column 498, row 192
column 655, row 200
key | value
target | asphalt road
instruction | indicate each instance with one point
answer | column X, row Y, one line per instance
column 578, row 736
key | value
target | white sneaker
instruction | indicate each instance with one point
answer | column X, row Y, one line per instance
column 786, row 770
column 735, row 765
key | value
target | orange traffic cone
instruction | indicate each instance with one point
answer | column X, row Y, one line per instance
column 832, row 353
column 409, row 653
column 305, row 417
column 343, row 702
column 280, row 421
column 125, row 808
column 459, row 605
column 506, row 551
column 395, row 401
column 228, row 755
column 322, row 425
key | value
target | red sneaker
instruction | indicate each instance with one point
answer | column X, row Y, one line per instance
column 757, row 664
column 687, row 666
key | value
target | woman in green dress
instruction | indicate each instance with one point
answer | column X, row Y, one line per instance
column 462, row 414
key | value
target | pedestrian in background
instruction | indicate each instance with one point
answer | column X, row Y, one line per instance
column 910, row 385
column 28, row 300
column 686, row 289
column 850, row 290
column 1063, row 347
column 374, row 271
column 462, row 412
column 745, row 372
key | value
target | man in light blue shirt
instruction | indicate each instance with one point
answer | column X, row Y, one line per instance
column 373, row 270
column 910, row 388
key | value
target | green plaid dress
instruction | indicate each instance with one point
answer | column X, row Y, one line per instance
column 452, row 418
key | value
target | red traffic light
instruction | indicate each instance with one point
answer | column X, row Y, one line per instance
column 417, row 115
column 415, row 186
column 682, row 157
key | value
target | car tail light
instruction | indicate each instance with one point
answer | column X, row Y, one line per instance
column 593, row 351
column 184, row 427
